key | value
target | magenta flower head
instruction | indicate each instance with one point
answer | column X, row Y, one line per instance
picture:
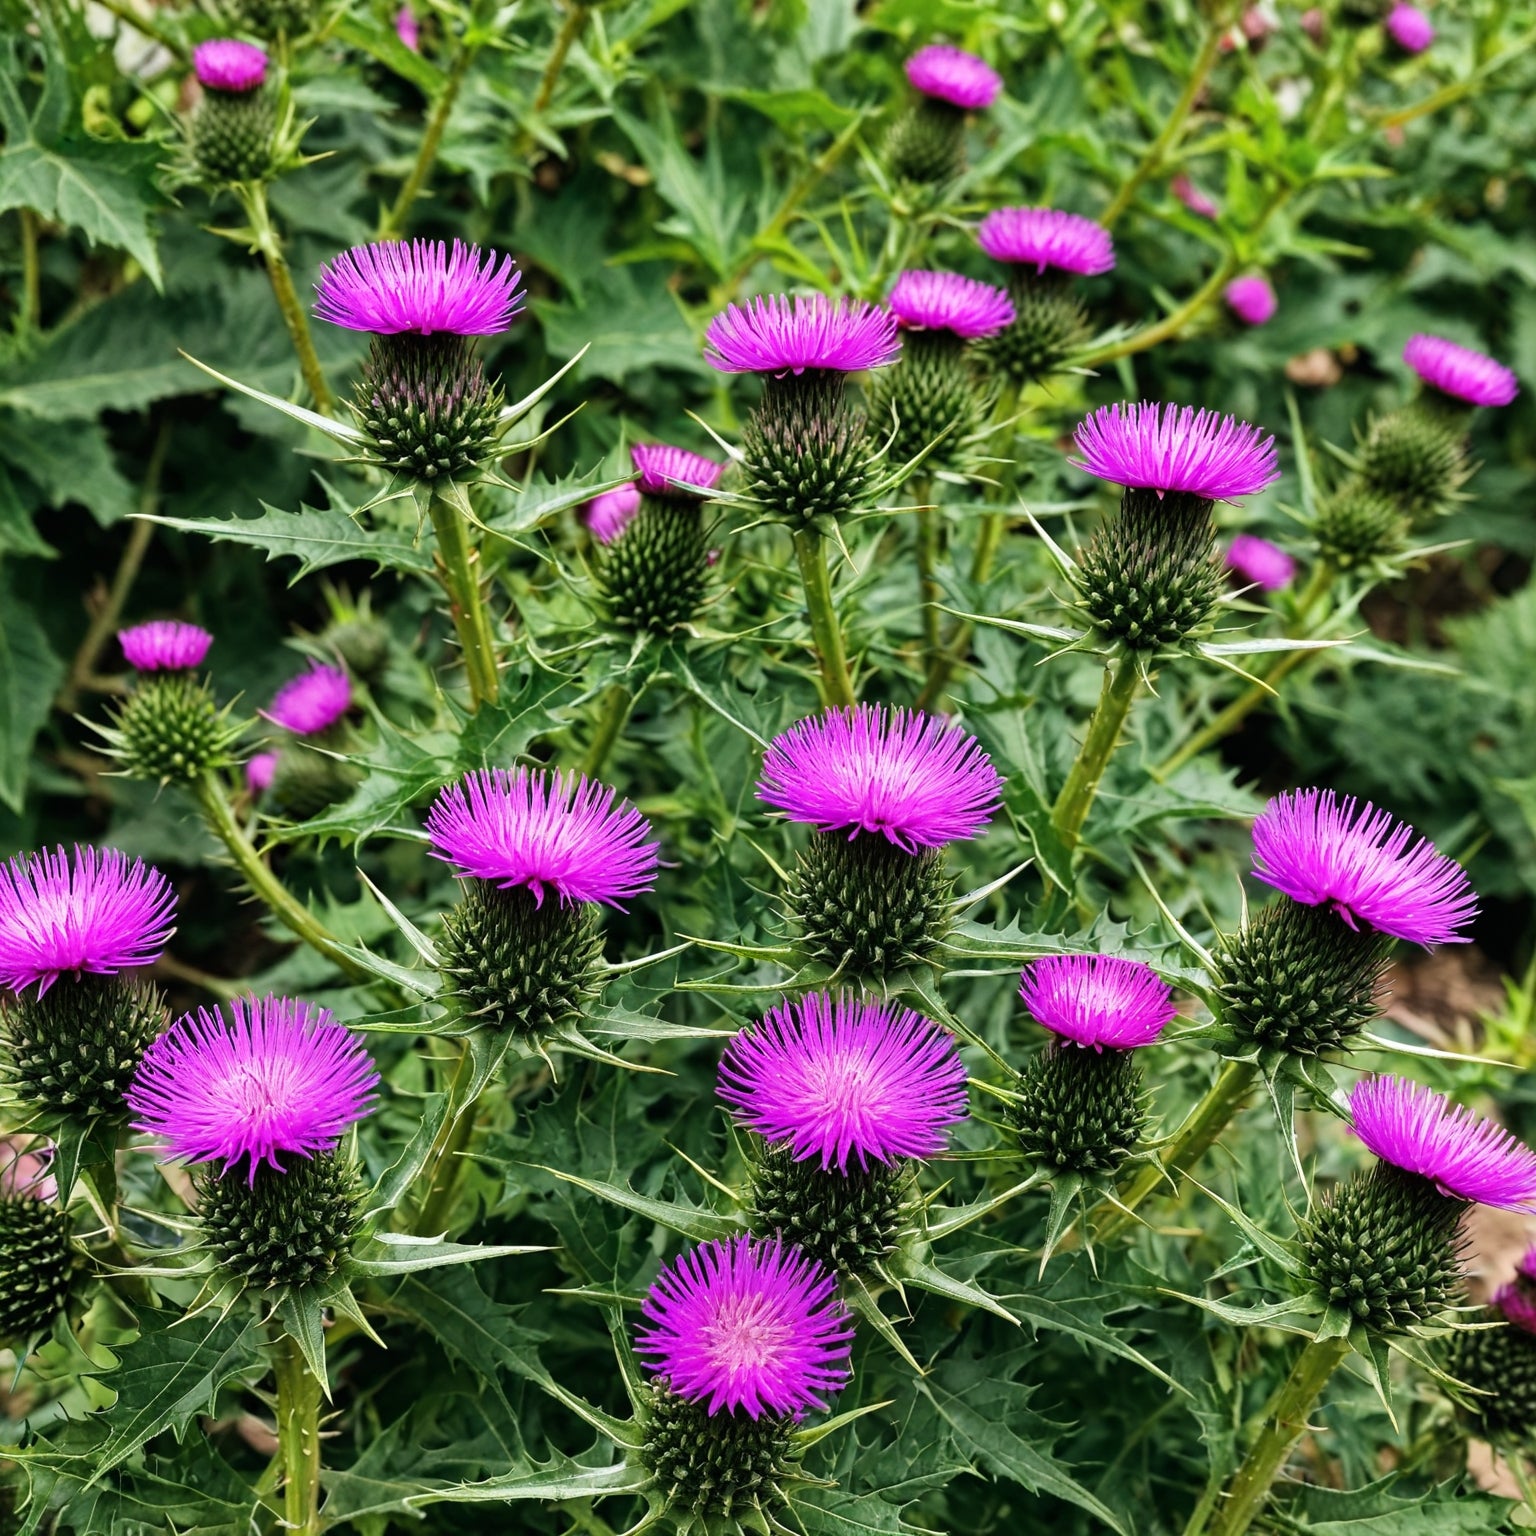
column 1251, row 299
column 408, row 29
column 312, row 702
column 1459, row 371
column 545, row 831
column 953, row 75
column 1097, row 1000
column 270, row 1078
column 93, row 912
column 1193, row 198
column 674, row 472
column 778, row 335
column 1177, row 448
column 260, row 771
column 945, row 301
column 164, row 646
column 915, row 779
column 1464, row 1157
column 419, row 286
column 227, row 64
column 609, row 514
column 1324, row 851
column 1047, row 237
column 1260, row 563
column 843, row 1079
column 747, row 1323
column 1515, row 1300
column 1410, row 28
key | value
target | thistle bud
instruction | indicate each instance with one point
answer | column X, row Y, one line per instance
column 1360, row 528
column 38, row 1261
column 926, row 143
column 233, row 127
column 1498, row 1363
column 1417, row 460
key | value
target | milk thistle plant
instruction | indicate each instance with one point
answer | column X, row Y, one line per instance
column 765, row 769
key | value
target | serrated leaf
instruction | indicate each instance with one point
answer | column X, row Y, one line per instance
column 400, row 1253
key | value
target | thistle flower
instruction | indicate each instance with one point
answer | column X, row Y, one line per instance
column 1260, row 563
column 778, row 335
column 274, row 1077
column 312, row 702
column 1409, row 27
column 945, row 301
column 164, row 646
column 260, row 771
column 674, row 472
column 421, row 287
column 1355, row 859
column 226, row 64
column 1516, row 1302
column 1422, row 1132
column 915, row 779
column 843, row 1079
column 1047, row 238
column 1177, row 448
column 1459, row 371
column 1251, row 299
column 92, row 912
column 608, row 514
column 544, row 831
column 408, row 29
column 1097, row 1000
column 952, row 75
column 746, row 1324
column 1193, row 198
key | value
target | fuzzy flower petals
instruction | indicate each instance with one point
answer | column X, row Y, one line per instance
column 781, row 335
column 1459, row 371
column 1047, row 237
column 312, row 702
column 674, row 472
column 260, row 771
column 1177, row 448
column 953, row 75
column 1409, row 27
column 1097, row 1000
column 420, row 286
column 227, row 64
column 945, row 301
column 1260, row 563
column 164, row 646
column 1251, row 299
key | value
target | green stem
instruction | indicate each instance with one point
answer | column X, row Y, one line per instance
column 289, row 911
column 31, row 280
column 837, row 687
column 254, row 196
column 571, row 28
column 930, row 528
column 1285, row 1421
column 458, row 567
column 1151, row 335
column 392, row 226
column 298, row 1436
column 445, row 1166
column 1115, row 698
column 612, row 717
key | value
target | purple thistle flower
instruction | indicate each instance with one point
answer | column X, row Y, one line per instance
column 408, row 29
column 96, row 913
column 749, row 1323
column 781, row 335
column 1323, row 851
column 1460, row 371
column 1047, row 237
column 1517, row 1304
column 955, row 76
column 841, row 1078
column 945, row 301
column 421, row 286
column 1410, row 28
column 675, row 472
column 312, row 702
column 260, row 771
column 1464, row 1157
column 1177, row 448
column 1251, row 299
column 916, row 779
column 276, row 1076
column 540, row 829
column 1097, row 1000
column 1193, row 198
column 164, row 646
column 1260, row 563
column 607, row 515
column 227, row 64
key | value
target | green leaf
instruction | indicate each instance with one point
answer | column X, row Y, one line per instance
column 693, row 1221
column 1393, row 1507
column 399, row 1253
column 30, row 674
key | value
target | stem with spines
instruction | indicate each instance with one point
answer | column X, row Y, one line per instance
column 459, row 568
column 1121, row 680
column 837, row 687
column 298, row 1436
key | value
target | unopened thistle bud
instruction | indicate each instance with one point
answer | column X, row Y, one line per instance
column 68, row 925
column 1416, row 459
column 38, row 1262
column 845, row 1094
column 233, row 126
column 1385, row 1247
column 424, row 401
column 1252, row 299
column 654, row 567
column 884, row 791
column 1078, row 1107
column 538, row 853
column 1044, row 249
column 926, row 143
column 273, row 1084
column 807, row 457
column 1149, row 580
column 1360, row 528
column 1497, row 1362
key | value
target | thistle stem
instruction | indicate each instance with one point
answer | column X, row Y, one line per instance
column 1285, row 1421
column 836, row 686
column 571, row 28
column 1077, row 795
column 298, row 1436
column 612, row 717
column 458, row 562
column 445, row 1167
column 289, row 911
column 254, row 196
column 930, row 530
column 392, row 225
